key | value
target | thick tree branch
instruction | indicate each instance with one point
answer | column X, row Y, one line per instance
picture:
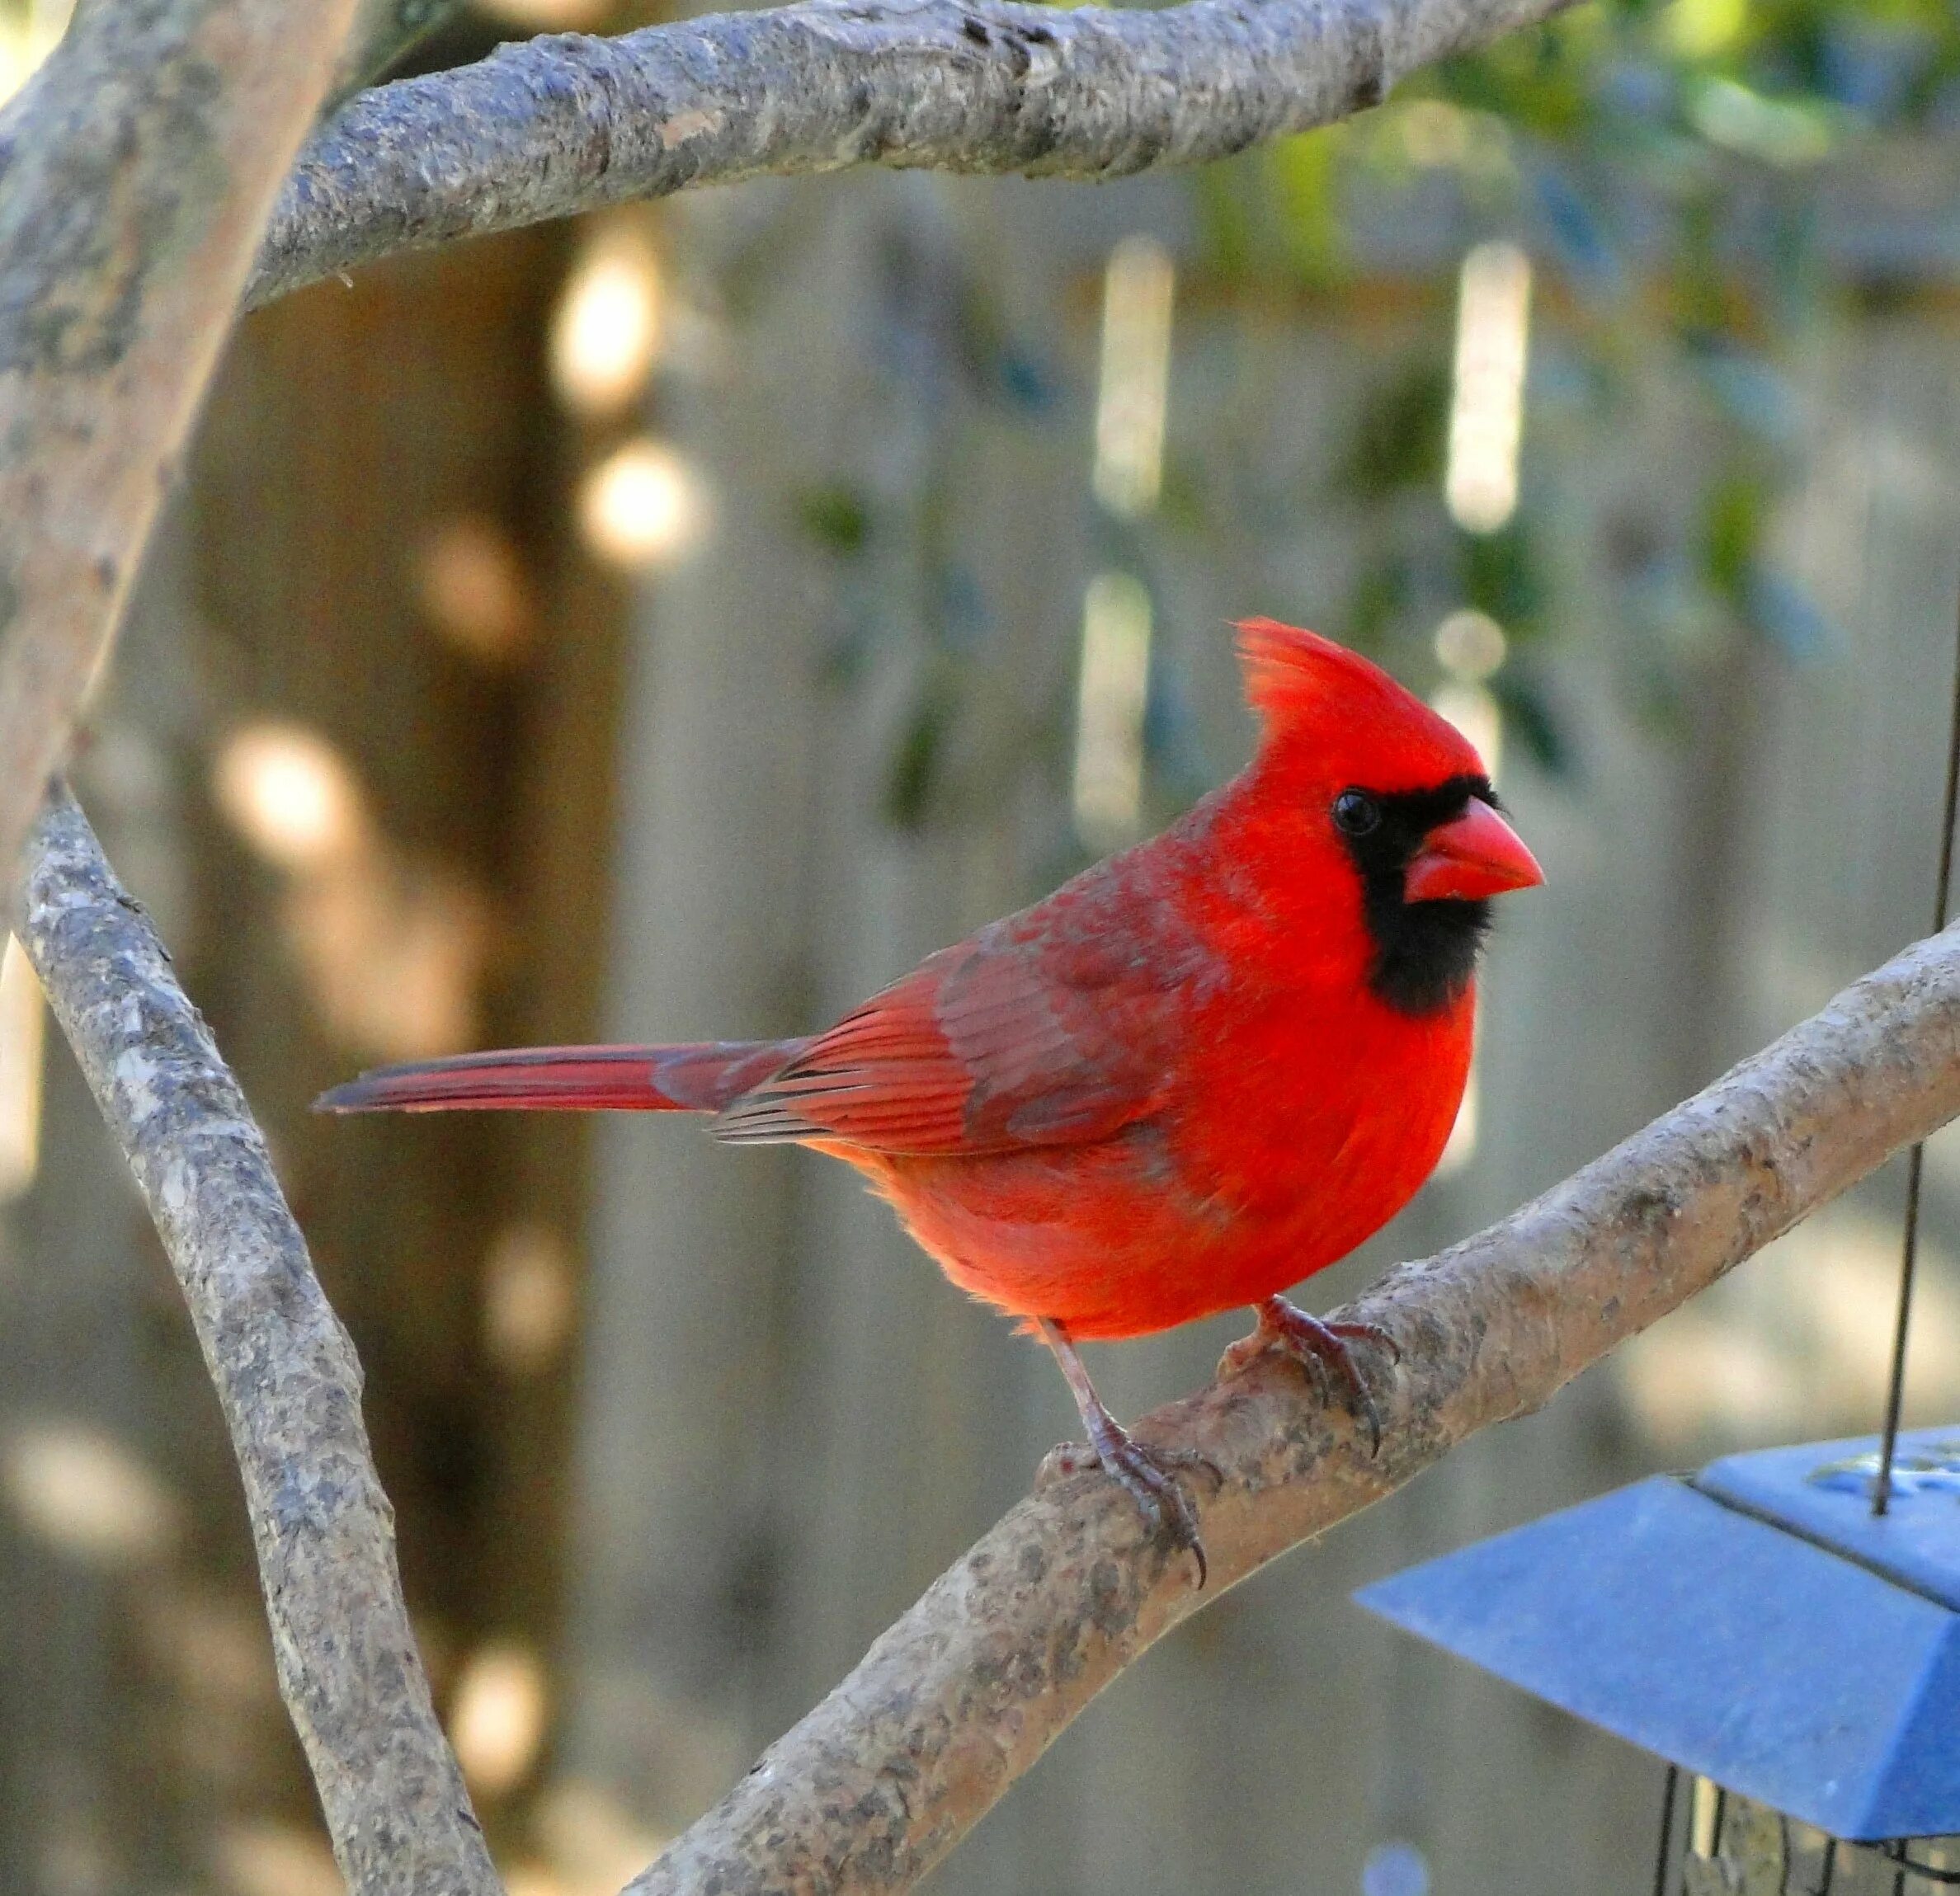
column 962, row 1695
column 565, row 124
column 139, row 166
column 285, row 1371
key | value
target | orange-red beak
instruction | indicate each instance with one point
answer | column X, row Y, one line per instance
column 1476, row 855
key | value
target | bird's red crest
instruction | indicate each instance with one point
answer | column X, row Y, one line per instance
column 1310, row 691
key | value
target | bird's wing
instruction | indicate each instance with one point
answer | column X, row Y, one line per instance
column 1041, row 1030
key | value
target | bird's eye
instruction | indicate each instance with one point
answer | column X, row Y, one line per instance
column 1355, row 813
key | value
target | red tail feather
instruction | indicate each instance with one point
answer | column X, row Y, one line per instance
column 698, row 1076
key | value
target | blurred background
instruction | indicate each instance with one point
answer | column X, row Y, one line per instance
column 674, row 623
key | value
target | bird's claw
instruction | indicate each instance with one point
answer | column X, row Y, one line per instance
column 1147, row 1475
column 1319, row 1347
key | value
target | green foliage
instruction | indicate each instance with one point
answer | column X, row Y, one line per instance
column 1662, row 164
column 1502, row 575
column 1530, row 719
column 913, row 774
column 1379, row 602
column 837, row 516
column 1731, row 529
column 1397, row 444
column 1305, row 184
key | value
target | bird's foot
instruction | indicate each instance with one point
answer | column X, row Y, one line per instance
column 1148, row 1476
column 1321, row 1349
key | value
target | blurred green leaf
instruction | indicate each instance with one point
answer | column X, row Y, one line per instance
column 1502, row 576
column 1398, row 442
column 837, row 516
column 1225, row 218
column 1380, row 597
column 1303, row 171
column 1732, row 530
column 1530, row 721
column 915, row 766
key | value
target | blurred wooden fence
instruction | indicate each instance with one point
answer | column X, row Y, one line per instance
column 844, row 720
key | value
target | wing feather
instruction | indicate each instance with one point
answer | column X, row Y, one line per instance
column 1055, row 1027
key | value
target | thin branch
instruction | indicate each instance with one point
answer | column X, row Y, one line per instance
column 565, row 124
column 961, row 1696
column 139, row 166
column 286, row 1373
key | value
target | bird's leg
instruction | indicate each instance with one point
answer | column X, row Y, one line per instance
column 1145, row 1473
column 1319, row 1347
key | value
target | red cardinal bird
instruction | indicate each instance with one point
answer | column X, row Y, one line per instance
column 1197, row 1073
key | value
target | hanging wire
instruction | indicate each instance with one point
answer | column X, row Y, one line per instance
column 1901, row 1853
column 1664, row 1855
column 1895, row 1395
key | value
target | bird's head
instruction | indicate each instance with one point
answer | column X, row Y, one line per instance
column 1400, row 792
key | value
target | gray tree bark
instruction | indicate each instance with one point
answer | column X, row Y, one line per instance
column 567, row 123
column 285, row 1374
column 139, row 165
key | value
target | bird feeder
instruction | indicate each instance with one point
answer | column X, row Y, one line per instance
column 1791, row 1653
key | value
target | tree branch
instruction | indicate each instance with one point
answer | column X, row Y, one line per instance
column 565, row 124
column 139, row 165
column 961, row 1696
column 285, row 1371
